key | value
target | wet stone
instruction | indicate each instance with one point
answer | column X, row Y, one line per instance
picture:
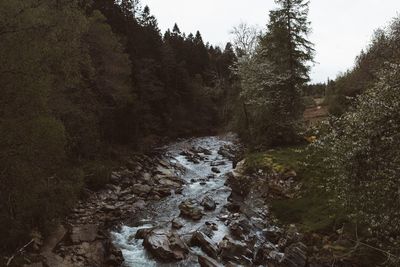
column 190, row 209
column 206, row 261
column 235, row 251
column 165, row 246
column 208, row 203
column 215, row 170
column 176, row 223
column 205, row 243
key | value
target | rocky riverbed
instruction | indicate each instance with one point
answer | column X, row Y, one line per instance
column 211, row 221
column 185, row 205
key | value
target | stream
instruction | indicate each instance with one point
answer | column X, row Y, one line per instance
column 161, row 213
column 233, row 230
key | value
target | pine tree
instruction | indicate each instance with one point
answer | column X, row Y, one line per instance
column 286, row 46
column 274, row 77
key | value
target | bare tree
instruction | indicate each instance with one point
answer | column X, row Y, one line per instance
column 245, row 38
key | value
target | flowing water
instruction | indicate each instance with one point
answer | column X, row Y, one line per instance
column 161, row 213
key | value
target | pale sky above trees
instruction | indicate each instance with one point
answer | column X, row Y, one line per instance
column 341, row 28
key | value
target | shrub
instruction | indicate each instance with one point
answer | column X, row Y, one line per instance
column 363, row 149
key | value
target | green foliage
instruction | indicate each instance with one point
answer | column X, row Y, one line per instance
column 273, row 78
column 45, row 120
column 341, row 92
column 363, row 155
column 78, row 78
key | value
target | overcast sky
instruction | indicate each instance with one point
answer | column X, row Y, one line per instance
column 341, row 28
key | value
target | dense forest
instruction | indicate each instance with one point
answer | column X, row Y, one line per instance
column 85, row 82
column 70, row 94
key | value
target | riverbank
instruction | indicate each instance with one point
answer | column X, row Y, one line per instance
column 294, row 186
column 191, row 203
column 82, row 239
column 219, row 218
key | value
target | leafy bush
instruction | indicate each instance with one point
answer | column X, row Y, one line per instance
column 364, row 157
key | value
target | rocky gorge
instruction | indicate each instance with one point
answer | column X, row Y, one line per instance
column 184, row 205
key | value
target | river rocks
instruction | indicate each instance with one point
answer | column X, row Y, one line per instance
column 217, row 163
column 269, row 255
column 295, row 255
column 240, row 228
column 212, row 225
column 160, row 192
column 164, row 246
column 208, row 203
column 86, row 243
column 241, row 185
column 141, row 189
column 158, row 245
column 202, row 150
column 226, row 152
column 232, row 207
column 89, row 248
column 215, row 170
column 176, row 223
column 208, row 229
column 171, row 182
column 231, row 152
column 142, row 233
column 139, row 205
column 192, row 156
column 205, row 243
column 190, row 209
column 179, row 247
column 232, row 250
column 206, row 261
column 273, row 234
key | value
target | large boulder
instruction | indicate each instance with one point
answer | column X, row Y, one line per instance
column 269, row 255
column 240, row 184
column 201, row 240
column 236, row 251
column 190, row 209
column 167, row 247
column 208, row 203
column 240, row 228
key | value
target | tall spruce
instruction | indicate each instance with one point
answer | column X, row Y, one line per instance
column 286, row 46
column 273, row 79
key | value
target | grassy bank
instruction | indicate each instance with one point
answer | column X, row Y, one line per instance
column 311, row 210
